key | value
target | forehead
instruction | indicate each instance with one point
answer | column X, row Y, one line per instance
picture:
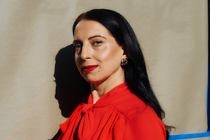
column 87, row 28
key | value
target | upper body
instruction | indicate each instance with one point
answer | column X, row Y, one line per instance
column 122, row 104
column 118, row 115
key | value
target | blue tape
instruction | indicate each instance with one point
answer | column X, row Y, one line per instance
column 208, row 94
column 208, row 98
column 189, row 136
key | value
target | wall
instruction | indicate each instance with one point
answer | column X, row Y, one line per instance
column 173, row 36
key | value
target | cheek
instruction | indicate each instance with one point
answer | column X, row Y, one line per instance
column 76, row 61
column 75, row 58
column 113, row 55
column 110, row 52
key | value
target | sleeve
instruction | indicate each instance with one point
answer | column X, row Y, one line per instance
column 64, row 125
column 145, row 126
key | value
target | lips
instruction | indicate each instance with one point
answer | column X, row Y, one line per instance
column 89, row 68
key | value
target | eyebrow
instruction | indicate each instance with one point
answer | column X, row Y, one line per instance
column 96, row 36
column 79, row 41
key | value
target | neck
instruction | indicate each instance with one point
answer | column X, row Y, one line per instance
column 100, row 89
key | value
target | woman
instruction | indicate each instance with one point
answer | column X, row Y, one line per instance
column 122, row 104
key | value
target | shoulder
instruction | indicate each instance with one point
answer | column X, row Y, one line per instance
column 145, row 125
column 141, row 120
column 129, row 104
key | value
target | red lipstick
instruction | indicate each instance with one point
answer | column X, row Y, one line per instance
column 89, row 68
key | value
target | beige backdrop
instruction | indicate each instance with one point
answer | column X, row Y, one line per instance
column 173, row 35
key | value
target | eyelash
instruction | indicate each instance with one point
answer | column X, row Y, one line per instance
column 77, row 45
column 97, row 43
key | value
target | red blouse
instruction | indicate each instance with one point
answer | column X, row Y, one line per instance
column 118, row 115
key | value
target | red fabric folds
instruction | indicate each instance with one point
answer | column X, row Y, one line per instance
column 118, row 115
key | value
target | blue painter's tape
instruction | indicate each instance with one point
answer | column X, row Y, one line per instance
column 189, row 136
column 208, row 100
column 208, row 94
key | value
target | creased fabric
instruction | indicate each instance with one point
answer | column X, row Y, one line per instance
column 117, row 115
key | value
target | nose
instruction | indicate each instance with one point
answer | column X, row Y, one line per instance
column 85, row 52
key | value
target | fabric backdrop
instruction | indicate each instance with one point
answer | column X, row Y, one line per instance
column 174, row 39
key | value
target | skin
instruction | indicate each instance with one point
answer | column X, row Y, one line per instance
column 95, row 46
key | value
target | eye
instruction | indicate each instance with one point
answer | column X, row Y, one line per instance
column 77, row 47
column 97, row 43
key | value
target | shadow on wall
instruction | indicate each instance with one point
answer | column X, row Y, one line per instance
column 71, row 88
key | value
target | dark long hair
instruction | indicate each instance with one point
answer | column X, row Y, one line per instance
column 135, row 72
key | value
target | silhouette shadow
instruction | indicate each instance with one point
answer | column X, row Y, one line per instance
column 71, row 88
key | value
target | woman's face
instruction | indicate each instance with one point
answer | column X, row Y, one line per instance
column 97, row 54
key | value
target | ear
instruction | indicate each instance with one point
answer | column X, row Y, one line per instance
column 124, row 54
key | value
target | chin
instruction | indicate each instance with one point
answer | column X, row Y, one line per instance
column 95, row 81
column 91, row 81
